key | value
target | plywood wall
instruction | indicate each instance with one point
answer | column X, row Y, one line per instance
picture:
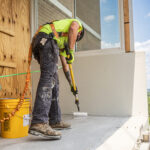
column 14, row 46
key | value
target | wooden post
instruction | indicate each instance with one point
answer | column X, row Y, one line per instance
column 126, row 25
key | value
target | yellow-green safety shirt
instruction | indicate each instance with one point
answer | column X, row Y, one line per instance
column 60, row 26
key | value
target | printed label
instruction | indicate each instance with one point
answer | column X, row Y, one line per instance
column 6, row 123
column 26, row 119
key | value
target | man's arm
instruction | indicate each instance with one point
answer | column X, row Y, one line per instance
column 66, row 69
column 72, row 37
column 73, row 32
column 67, row 74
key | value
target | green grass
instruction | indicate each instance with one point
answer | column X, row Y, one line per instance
column 148, row 95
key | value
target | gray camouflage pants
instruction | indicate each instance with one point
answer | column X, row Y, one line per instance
column 46, row 107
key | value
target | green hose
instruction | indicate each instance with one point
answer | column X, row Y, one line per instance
column 10, row 75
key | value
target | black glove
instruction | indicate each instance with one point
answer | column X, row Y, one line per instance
column 73, row 91
column 70, row 54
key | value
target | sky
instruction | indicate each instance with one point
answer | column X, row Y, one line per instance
column 109, row 23
column 141, row 24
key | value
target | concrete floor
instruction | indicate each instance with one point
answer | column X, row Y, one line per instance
column 86, row 134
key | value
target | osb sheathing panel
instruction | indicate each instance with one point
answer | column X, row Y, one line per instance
column 14, row 46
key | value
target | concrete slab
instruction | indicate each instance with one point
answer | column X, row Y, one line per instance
column 145, row 146
column 86, row 134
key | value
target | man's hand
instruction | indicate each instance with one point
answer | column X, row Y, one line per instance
column 73, row 91
column 70, row 57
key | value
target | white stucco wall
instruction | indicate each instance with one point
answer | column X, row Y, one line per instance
column 139, row 103
column 109, row 84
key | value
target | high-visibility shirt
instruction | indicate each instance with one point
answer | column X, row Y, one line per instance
column 60, row 26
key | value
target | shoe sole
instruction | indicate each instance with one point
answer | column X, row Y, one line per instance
column 61, row 128
column 58, row 137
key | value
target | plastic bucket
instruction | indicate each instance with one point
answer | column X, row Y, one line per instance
column 18, row 125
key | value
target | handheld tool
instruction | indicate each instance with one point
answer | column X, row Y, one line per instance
column 72, row 78
column 74, row 87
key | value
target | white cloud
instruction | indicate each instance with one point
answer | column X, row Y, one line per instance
column 147, row 15
column 109, row 45
column 103, row 1
column 109, row 18
column 145, row 46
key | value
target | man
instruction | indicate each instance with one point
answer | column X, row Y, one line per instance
column 47, row 45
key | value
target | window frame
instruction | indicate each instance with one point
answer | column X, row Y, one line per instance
column 34, row 23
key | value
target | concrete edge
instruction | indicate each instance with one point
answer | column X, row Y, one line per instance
column 128, row 136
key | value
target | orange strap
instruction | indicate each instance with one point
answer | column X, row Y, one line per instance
column 64, row 34
column 54, row 31
column 28, row 77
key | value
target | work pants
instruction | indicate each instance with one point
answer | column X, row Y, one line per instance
column 46, row 107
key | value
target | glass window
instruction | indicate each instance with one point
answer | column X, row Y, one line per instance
column 100, row 19
column 69, row 4
column 88, row 12
column 49, row 10
column 110, row 33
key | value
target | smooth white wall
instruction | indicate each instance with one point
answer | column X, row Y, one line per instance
column 109, row 84
column 140, row 104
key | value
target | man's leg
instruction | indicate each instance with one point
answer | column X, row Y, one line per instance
column 40, row 115
column 55, row 112
column 46, row 83
column 43, row 100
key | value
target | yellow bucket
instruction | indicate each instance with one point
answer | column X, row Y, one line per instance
column 18, row 125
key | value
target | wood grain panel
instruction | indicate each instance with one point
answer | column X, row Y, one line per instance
column 6, row 50
column 6, row 20
column 7, row 31
column 14, row 47
column 8, row 64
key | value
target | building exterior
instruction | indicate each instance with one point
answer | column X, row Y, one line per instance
column 54, row 10
column 111, row 82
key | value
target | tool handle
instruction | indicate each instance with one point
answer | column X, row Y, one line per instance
column 72, row 77
column 70, row 68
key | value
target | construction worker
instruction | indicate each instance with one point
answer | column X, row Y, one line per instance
column 47, row 45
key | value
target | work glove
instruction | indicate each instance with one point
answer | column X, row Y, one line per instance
column 73, row 91
column 70, row 56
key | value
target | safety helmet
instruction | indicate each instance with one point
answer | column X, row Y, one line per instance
column 81, row 35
